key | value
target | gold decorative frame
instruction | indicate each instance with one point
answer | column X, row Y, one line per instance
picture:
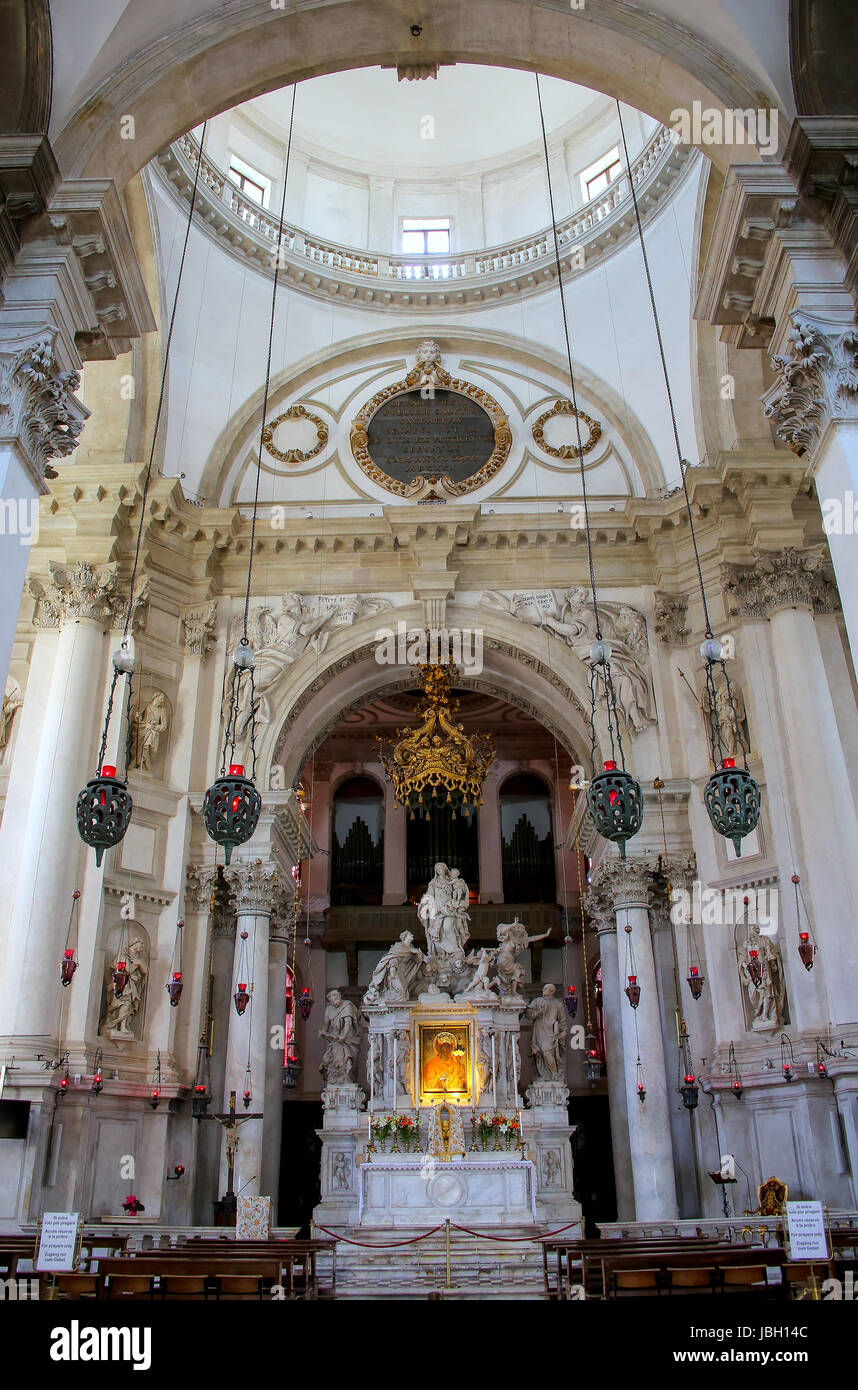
column 566, row 451
column 426, row 1035
column 295, row 412
column 426, row 485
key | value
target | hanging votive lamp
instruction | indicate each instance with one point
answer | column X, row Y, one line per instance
column 806, row 947
column 68, row 964
column 97, row 1084
column 202, row 1090
column 821, row 1053
column 247, row 1093
column 689, row 1091
column 64, row 1082
column 633, row 991
column 104, row 806
column 232, row 805
column 175, row 985
column 754, row 967
column 121, row 976
column 615, row 803
column 787, row 1058
column 155, row 1093
column 571, row 1001
column 593, row 1060
column 241, row 997
column 640, row 1084
column 305, row 1001
column 695, row 981
column 732, row 797
column 291, row 1068
column 733, row 1065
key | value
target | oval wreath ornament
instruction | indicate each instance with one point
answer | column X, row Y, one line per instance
column 566, row 451
column 295, row 412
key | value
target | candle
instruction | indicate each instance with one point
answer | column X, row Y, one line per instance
column 514, row 1071
column 494, row 1076
column 371, row 1070
column 394, row 1073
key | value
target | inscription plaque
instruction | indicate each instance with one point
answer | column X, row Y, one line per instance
column 442, row 434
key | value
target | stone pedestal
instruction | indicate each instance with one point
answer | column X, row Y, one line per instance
column 344, row 1134
column 546, row 1131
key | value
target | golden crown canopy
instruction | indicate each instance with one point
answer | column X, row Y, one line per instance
column 437, row 764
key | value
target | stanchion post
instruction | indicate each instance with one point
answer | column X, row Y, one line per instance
column 447, row 1284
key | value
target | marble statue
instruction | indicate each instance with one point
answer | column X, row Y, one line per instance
column 548, row 1040
column 766, row 1001
column 512, row 940
column 122, row 1012
column 550, row 1168
column 484, row 1061
column 569, row 615
column 443, row 912
column 732, row 721
column 479, row 986
column 375, row 1066
column 396, row 971
column 12, row 702
column 342, row 1030
column 147, row 726
column 340, row 1171
column 303, row 625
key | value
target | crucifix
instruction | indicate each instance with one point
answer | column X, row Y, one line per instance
column 226, row 1208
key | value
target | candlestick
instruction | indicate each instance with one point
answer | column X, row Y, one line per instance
column 394, row 1074
column 494, row 1077
column 371, row 1069
column 514, row 1071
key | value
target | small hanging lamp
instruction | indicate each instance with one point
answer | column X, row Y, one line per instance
column 98, row 1073
column 291, row 1066
column 695, row 981
column 121, row 974
column 731, row 796
column 155, row 1093
column 571, row 1001
column 688, row 1088
column 68, row 964
column 247, row 1093
column 202, row 1082
column 593, row 1060
column 787, row 1058
column 241, row 997
column 305, row 1001
column 640, row 1083
column 174, row 985
column 821, row 1053
column 633, row 989
column 807, row 948
column 733, row 1068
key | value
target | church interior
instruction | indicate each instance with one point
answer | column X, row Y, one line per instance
column 429, row 744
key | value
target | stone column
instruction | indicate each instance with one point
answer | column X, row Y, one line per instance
column 255, row 888
column 39, row 846
column 489, row 833
column 788, row 587
column 395, row 839
column 629, row 884
column 278, row 953
column 602, row 915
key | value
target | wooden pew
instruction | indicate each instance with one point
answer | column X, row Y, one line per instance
column 732, row 1269
column 567, row 1257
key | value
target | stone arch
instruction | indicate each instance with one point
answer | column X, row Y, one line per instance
column 216, row 61
column 312, row 699
column 241, row 433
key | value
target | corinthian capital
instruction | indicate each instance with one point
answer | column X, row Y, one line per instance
column 74, row 592
column 671, row 619
column 627, row 882
column 37, row 401
column 256, row 887
column 817, row 379
column 200, row 881
column 780, row 579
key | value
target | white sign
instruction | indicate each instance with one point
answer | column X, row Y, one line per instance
column 58, row 1241
column 806, row 1224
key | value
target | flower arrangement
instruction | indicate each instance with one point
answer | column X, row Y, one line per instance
column 132, row 1205
column 383, row 1128
column 409, row 1132
column 493, row 1130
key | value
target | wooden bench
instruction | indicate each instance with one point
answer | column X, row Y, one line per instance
column 730, row 1269
column 567, row 1257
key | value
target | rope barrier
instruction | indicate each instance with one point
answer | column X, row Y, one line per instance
column 483, row 1235
column 368, row 1245
column 480, row 1235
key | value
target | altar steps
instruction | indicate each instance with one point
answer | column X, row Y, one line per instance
column 480, row 1269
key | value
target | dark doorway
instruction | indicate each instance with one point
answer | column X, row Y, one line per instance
column 442, row 837
column 593, row 1158
column 300, row 1152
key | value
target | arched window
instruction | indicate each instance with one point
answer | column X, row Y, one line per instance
column 527, row 842
column 357, row 844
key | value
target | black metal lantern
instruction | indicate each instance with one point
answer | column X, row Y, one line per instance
column 305, row 1001
column 571, row 1001
column 175, row 984
column 200, row 1102
column 695, row 981
column 241, row 997
column 640, row 1081
column 291, row 1069
column 733, row 800
column 787, row 1058
column 231, row 809
column 104, row 806
column 615, row 803
column 121, row 976
column 97, row 1083
column 202, row 1082
column 688, row 1090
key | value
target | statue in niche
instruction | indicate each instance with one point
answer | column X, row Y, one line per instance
column 395, row 973
column 375, row 1065
column 512, row 940
column 340, row 1171
column 484, row 1060
column 12, row 702
column 443, row 912
column 121, row 1013
column 548, row 1039
column 766, row 1002
column 403, row 1056
column 551, row 1169
column 342, row 1031
column 147, row 726
column 569, row 616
